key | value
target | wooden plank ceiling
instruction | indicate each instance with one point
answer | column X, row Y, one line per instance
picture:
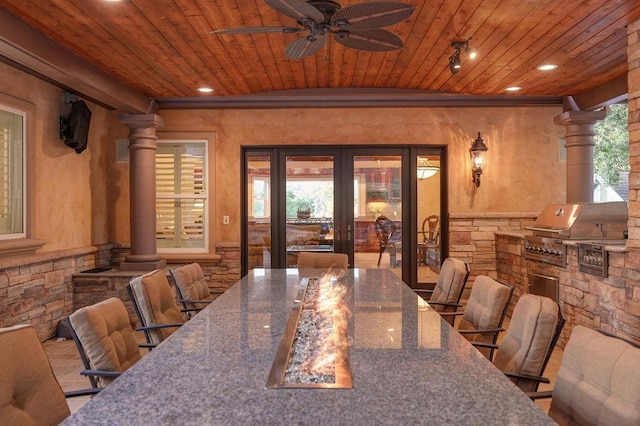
column 164, row 49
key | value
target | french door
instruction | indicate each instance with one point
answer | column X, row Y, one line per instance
column 368, row 202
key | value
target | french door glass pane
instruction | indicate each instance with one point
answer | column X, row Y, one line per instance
column 259, row 211
column 428, row 215
column 378, row 212
column 309, row 205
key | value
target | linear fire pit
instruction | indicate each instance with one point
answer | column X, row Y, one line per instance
column 313, row 352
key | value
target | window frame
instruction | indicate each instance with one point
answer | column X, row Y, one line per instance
column 267, row 196
column 24, row 114
column 29, row 244
column 206, row 195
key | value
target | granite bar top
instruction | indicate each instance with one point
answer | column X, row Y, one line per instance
column 408, row 366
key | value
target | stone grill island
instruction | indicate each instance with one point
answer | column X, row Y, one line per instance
column 408, row 366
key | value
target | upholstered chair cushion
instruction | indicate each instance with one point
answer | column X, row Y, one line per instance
column 528, row 339
column 450, row 285
column 157, row 304
column 29, row 391
column 191, row 284
column 598, row 382
column 312, row 264
column 104, row 329
column 485, row 309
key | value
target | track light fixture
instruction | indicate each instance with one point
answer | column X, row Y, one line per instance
column 454, row 59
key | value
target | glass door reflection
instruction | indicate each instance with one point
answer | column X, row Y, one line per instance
column 259, row 212
column 377, row 212
column 428, row 207
column 309, row 205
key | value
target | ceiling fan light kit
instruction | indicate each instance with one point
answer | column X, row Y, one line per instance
column 358, row 26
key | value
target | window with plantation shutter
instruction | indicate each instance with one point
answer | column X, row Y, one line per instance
column 12, row 179
column 181, row 196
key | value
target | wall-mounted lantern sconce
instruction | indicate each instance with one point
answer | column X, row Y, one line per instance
column 425, row 168
column 477, row 152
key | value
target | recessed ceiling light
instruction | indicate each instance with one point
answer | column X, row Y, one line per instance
column 513, row 88
column 547, row 67
column 205, row 89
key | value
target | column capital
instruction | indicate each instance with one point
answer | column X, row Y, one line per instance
column 579, row 117
column 138, row 121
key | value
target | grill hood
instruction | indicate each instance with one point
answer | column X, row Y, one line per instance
column 583, row 221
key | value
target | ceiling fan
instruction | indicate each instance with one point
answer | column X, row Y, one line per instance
column 358, row 26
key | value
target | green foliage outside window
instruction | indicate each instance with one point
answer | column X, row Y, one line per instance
column 611, row 153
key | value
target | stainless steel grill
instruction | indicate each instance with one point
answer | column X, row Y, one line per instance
column 602, row 222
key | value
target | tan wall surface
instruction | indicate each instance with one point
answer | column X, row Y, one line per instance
column 524, row 171
column 70, row 203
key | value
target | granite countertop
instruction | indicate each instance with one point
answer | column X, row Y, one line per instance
column 515, row 234
column 613, row 246
column 408, row 366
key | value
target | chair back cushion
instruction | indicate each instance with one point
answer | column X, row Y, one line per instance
column 156, row 304
column 526, row 345
column 191, row 284
column 486, row 308
column 29, row 391
column 317, row 264
column 451, row 282
column 105, row 332
column 598, row 382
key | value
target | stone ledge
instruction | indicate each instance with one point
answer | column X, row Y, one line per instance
column 514, row 234
column 50, row 256
column 493, row 215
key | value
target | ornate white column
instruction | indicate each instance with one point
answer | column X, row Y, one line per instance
column 579, row 143
column 142, row 171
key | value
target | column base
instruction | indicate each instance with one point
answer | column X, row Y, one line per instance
column 143, row 266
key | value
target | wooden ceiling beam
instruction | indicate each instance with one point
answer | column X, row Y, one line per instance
column 354, row 98
column 612, row 92
column 32, row 51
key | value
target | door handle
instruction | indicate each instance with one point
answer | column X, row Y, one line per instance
column 349, row 232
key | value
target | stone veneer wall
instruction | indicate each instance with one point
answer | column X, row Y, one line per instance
column 632, row 260
column 472, row 238
column 633, row 82
column 608, row 304
column 511, row 265
column 220, row 271
column 38, row 289
column 45, row 288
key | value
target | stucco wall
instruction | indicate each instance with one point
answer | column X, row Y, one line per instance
column 524, row 172
column 69, row 189
column 68, row 195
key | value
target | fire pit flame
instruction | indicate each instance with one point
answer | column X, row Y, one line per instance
column 314, row 350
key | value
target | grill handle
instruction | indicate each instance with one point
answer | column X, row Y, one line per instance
column 546, row 277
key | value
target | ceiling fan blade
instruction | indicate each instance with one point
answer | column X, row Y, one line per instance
column 257, row 30
column 296, row 9
column 371, row 15
column 304, row 46
column 375, row 40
